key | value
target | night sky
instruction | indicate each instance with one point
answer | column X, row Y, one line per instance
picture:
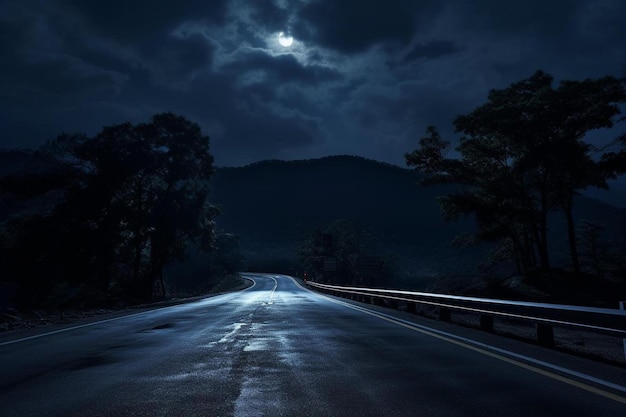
column 362, row 77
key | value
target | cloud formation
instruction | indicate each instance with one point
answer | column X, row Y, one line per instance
column 362, row 77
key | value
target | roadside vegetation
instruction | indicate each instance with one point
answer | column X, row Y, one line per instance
column 523, row 158
column 96, row 221
column 129, row 215
column 344, row 253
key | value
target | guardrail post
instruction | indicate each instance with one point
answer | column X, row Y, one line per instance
column 622, row 306
column 411, row 307
column 444, row 314
column 545, row 335
column 486, row 323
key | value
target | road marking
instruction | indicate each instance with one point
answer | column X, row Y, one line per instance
column 273, row 289
column 496, row 353
column 270, row 301
column 67, row 329
column 251, row 279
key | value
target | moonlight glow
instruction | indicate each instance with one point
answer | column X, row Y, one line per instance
column 285, row 41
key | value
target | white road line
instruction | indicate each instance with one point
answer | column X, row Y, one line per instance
column 251, row 279
column 270, row 300
column 273, row 289
column 67, row 329
column 477, row 344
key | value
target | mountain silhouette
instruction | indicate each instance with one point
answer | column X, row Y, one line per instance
column 272, row 204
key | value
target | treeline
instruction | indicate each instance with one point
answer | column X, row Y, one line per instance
column 522, row 157
column 108, row 213
column 343, row 252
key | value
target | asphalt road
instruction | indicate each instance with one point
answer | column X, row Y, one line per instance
column 277, row 349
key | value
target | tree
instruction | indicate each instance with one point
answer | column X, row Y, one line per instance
column 594, row 249
column 488, row 189
column 226, row 257
column 130, row 200
column 577, row 108
column 181, row 212
column 613, row 163
column 349, row 248
column 523, row 155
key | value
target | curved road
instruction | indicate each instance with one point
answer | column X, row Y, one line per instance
column 277, row 349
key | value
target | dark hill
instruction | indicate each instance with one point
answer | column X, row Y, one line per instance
column 291, row 197
column 272, row 204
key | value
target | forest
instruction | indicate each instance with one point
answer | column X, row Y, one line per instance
column 110, row 219
column 92, row 221
column 523, row 156
column 520, row 166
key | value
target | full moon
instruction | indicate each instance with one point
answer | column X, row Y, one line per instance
column 285, row 40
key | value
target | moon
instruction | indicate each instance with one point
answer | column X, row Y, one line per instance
column 285, row 41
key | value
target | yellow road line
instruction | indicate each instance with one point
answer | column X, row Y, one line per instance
column 485, row 352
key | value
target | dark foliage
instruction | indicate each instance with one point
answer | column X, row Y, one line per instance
column 274, row 205
column 343, row 253
column 522, row 157
column 123, row 204
column 271, row 205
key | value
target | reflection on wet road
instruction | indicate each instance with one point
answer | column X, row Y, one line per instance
column 275, row 349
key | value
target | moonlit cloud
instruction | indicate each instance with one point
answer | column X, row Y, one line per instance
column 359, row 78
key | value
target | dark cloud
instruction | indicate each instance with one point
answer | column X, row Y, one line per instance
column 268, row 15
column 139, row 21
column 178, row 60
column 431, row 50
column 538, row 17
column 362, row 77
column 352, row 26
column 266, row 133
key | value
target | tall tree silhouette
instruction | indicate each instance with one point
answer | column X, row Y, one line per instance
column 128, row 201
column 523, row 155
column 181, row 212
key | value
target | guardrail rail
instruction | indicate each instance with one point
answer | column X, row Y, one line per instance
column 543, row 315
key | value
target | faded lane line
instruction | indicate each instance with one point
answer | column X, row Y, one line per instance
column 490, row 351
column 251, row 279
column 273, row 289
column 67, row 329
column 270, row 300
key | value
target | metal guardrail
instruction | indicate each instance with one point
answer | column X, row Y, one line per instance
column 545, row 316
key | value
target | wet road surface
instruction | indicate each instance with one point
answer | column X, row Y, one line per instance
column 277, row 349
